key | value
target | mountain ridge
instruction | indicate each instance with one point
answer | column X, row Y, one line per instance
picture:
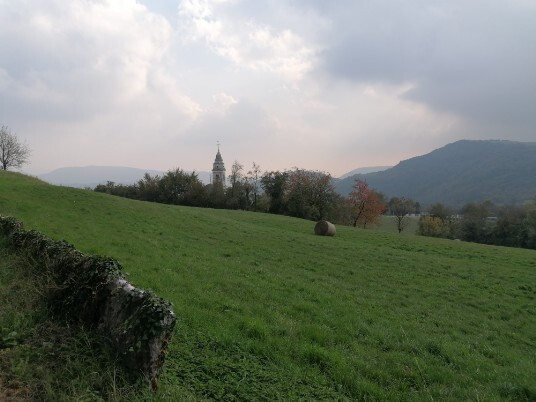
column 91, row 176
column 464, row 171
column 364, row 170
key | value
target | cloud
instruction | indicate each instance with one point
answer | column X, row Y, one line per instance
column 232, row 122
column 82, row 59
column 99, row 68
column 345, row 124
column 222, row 103
column 309, row 83
column 246, row 43
column 474, row 59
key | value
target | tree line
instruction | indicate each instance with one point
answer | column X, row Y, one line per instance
column 311, row 195
column 296, row 192
column 511, row 226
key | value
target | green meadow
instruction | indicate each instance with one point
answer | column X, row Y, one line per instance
column 269, row 311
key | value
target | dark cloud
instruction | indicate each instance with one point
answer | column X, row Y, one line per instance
column 475, row 59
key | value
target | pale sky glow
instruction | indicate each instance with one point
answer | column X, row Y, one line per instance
column 320, row 85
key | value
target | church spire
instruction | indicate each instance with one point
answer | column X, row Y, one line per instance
column 218, row 168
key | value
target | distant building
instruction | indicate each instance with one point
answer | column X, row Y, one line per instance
column 218, row 169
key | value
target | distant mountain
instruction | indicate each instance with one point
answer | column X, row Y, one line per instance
column 364, row 170
column 503, row 172
column 91, row 176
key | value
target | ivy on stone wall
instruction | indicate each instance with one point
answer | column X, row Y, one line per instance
column 92, row 291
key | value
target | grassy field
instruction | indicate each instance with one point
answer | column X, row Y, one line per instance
column 268, row 311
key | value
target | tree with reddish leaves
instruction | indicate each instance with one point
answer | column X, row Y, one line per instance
column 365, row 204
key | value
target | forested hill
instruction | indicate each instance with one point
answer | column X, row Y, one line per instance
column 503, row 172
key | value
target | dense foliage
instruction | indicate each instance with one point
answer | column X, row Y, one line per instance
column 298, row 192
column 512, row 226
column 174, row 187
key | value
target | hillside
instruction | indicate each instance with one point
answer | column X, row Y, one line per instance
column 461, row 172
column 269, row 311
column 91, row 176
column 364, row 170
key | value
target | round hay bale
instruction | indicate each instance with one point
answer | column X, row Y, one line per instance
column 325, row 228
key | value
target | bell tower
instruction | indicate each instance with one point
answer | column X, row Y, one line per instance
column 218, row 169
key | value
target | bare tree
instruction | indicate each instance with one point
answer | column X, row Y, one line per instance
column 400, row 209
column 236, row 175
column 254, row 179
column 13, row 154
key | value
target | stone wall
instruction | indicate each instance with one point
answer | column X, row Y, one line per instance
column 92, row 291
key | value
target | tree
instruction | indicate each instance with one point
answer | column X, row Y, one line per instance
column 438, row 223
column 309, row 194
column 298, row 194
column 324, row 196
column 440, row 211
column 509, row 230
column 148, row 188
column 433, row 226
column 120, row 190
column 244, row 198
column 274, row 185
column 475, row 226
column 529, row 225
column 365, row 204
column 400, row 208
column 197, row 195
column 174, row 186
column 216, row 192
column 13, row 154
column 236, row 175
column 254, row 181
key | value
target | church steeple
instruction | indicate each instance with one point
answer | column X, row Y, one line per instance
column 218, row 168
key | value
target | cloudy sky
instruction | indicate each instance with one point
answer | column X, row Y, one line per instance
column 322, row 85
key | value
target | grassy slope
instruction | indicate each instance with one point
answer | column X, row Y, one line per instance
column 268, row 310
